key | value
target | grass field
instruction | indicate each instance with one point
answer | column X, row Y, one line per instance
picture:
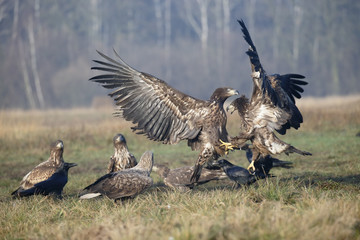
column 318, row 199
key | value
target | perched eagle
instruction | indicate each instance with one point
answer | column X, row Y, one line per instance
column 123, row 184
column 179, row 178
column 271, row 107
column 165, row 114
column 48, row 177
column 122, row 158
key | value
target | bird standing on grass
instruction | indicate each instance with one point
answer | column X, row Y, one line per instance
column 122, row 158
column 47, row 178
column 123, row 184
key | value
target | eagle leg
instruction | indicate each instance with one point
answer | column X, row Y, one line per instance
column 251, row 168
column 228, row 146
column 204, row 157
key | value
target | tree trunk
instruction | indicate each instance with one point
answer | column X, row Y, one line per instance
column 159, row 21
column 34, row 64
column 25, row 73
column 276, row 33
column 15, row 21
column 298, row 13
column 219, row 41
column 201, row 30
column 168, row 38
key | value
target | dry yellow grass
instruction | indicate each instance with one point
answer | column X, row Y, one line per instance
column 317, row 199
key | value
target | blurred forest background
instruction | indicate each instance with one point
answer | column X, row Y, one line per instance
column 194, row 45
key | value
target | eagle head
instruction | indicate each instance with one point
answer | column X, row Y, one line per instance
column 57, row 145
column 221, row 94
column 240, row 104
column 119, row 139
column 56, row 151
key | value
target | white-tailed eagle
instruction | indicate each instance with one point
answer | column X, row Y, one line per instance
column 123, row 184
column 271, row 108
column 165, row 114
column 122, row 158
column 48, row 177
column 179, row 178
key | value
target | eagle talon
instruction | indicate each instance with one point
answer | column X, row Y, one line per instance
column 228, row 146
column 251, row 168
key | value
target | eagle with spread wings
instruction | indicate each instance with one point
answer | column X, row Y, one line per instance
column 165, row 114
column 271, row 108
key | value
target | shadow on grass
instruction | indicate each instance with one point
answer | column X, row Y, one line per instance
column 326, row 182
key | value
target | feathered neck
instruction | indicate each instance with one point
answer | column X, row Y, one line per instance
column 56, row 156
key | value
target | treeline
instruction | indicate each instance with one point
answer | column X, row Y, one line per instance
column 195, row 45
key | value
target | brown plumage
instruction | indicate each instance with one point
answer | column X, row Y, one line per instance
column 122, row 158
column 48, row 177
column 165, row 114
column 123, row 184
column 179, row 178
column 271, row 107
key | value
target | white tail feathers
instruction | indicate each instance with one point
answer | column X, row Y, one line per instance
column 90, row 195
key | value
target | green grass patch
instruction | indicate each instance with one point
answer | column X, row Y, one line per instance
column 317, row 199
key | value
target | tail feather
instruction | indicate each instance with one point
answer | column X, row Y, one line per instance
column 196, row 174
column 20, row 192
column 293, row 149
column 88, row 195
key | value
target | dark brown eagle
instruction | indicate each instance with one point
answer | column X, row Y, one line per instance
column 123, row 184
column 179, row 178
column 48, row 177
column 165, row 114
column 122, row 158
column 271, row 108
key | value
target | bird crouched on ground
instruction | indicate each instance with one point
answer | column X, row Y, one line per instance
column 179, row 178
column 123, row 184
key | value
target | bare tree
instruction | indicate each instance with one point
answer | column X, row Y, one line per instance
column 226, row 13
column 168, row 38
column 15, row 21
column 159, row 21
column 251, row 14
column 276, row 32
column 298, row 14
column 219, row 23
column 28, row 90
column 33, row 60
column 200, row 26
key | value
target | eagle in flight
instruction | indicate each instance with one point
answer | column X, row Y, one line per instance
column 165, row 114
column 271, row 108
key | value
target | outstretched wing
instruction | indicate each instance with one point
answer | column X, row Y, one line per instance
column 160, row 111
column 272, row 100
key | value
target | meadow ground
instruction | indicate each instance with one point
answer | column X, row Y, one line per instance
column 318, row 199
